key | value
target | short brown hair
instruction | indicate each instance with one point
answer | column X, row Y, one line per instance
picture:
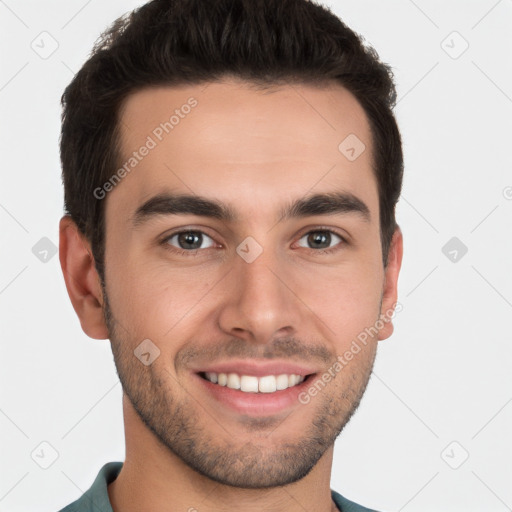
column 178, row 42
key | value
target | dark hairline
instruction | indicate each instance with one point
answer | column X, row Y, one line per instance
column 309, row 45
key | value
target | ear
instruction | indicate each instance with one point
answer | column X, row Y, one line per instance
column 390, row 292
column 82, row 279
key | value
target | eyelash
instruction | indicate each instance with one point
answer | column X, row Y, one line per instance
column 183, row 252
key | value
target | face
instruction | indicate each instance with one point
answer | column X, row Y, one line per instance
column 247, row 285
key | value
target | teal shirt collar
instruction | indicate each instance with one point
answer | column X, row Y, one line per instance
column 95, row 499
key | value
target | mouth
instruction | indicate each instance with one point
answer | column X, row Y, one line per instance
column 254, row 396
column 255, row 384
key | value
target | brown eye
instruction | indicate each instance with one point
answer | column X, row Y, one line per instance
column 188, row 240
column 321, row 240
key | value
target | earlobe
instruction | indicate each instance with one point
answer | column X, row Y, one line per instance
column 82, row 280
column 390, row 290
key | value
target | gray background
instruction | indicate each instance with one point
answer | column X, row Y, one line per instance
column 433, row 430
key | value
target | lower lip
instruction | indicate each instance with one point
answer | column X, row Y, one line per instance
column 256, row 404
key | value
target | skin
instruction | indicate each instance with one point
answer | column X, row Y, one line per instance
column 255, row 151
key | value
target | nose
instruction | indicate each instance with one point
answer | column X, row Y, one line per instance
column 259, row 302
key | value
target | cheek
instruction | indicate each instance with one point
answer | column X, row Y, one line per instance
column 347, row 300
column 149, row 298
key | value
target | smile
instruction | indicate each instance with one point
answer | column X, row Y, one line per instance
column 253, row 384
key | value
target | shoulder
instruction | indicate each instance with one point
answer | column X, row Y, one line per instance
column 345, row 505
column 95, row 499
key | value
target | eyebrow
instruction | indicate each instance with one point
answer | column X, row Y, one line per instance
column 330, row 203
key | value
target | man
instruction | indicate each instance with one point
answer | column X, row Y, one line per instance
column 231, row 170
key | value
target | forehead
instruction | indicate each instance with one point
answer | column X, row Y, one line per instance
column 230, row 141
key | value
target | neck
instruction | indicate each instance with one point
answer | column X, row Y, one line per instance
column 153, row 478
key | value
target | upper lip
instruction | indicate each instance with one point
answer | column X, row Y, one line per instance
column 258, row 368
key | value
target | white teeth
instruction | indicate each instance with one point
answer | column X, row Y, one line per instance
column 282, row 381
column 248, row 383
column 252, row 384
column 233, row 381
column 267, row 384
column 292, row 380
column 212, row 377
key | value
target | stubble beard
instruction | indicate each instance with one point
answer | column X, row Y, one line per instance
column 182, row 427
